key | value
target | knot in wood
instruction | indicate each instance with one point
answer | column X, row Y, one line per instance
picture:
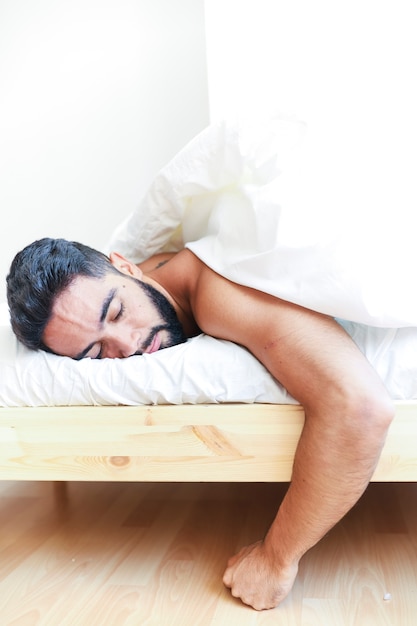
column 119, row 461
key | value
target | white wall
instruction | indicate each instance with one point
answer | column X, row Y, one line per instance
column 310, row 58
column 96, row 96
column 347, row 69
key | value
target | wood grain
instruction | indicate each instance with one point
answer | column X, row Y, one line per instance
column 228, row 442
column 126, row 554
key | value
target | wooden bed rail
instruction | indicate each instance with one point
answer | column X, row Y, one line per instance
column 209, row 443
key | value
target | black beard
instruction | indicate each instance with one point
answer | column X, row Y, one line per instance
column 171, row 323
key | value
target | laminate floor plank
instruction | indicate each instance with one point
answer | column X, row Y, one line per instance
column 153, row 554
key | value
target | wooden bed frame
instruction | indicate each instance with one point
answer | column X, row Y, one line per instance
column 210, row 443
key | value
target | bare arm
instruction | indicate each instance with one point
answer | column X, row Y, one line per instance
column 347, row 411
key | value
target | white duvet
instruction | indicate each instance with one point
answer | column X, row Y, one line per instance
column 252, row 202
column 242, row 200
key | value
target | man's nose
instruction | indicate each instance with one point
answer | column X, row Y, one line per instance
column 123, row 344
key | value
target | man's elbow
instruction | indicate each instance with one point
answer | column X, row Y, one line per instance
column 377, row 413
column 368, row 417
column 359, row 414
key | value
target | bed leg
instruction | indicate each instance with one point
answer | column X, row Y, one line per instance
column 60, row 493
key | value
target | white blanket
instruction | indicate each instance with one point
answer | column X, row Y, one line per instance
column 248, row 201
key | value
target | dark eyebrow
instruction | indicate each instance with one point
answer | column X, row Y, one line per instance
column 106, row 304
column 104, row 310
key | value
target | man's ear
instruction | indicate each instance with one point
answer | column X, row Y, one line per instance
column 124, row 265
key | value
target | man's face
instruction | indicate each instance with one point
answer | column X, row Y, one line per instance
column 116, row 316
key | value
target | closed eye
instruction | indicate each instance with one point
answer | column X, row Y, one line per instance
column 99, row 355
column 120, row 312
column 118, row 315
column 88, row 352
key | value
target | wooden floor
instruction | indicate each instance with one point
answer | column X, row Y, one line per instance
column 116, row 554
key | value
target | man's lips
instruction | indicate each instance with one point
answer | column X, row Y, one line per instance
column 154, row 345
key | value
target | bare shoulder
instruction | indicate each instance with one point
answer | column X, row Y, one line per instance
column 156, row 261
column 303, row 349
column 229, row 310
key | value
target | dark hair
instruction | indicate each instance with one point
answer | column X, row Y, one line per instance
column 38, row 274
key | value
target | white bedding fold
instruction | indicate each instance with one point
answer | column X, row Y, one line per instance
column 244, row 200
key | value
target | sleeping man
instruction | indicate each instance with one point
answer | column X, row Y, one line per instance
column 71, row 300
